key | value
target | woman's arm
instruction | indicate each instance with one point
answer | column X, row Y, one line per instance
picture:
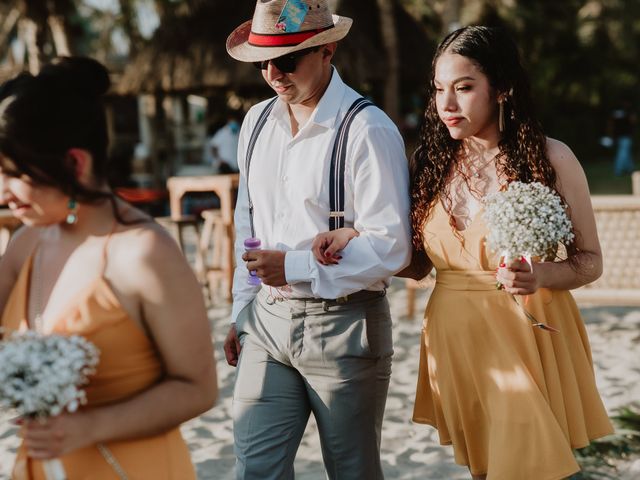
column 174, row 315
column 584, row 264
column 419, row 267
column 20, row 247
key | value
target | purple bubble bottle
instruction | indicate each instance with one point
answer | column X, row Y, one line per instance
column 252, row 243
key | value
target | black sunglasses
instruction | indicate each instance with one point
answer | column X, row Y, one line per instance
column 285, row 63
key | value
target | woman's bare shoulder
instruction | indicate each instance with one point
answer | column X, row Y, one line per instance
column 144, row 239
column 560, row 154
column 567, row 166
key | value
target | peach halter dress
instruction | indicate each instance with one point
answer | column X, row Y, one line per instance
column 512, row 399
column 128, row 365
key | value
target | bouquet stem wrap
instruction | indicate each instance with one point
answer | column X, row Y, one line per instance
column 54, row 470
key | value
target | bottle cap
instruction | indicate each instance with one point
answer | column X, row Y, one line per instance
column 252, row 242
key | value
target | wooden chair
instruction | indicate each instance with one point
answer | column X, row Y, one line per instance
column 213, row 246
column 412, row 286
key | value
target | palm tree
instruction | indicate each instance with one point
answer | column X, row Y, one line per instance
column 390, row 42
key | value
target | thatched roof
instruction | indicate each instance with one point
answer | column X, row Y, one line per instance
column 188, row 53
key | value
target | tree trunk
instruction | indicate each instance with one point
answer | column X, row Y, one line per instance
column 130, row 26
column 28, row 32
column 7, row 27
column 390, row 42
column 60, row 41
column 451, row 16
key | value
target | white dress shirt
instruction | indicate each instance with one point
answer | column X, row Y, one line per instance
column 289, row 186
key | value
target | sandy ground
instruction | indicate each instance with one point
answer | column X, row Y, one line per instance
column 409, row 451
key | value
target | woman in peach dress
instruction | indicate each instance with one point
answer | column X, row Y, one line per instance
column 87, row 263
column 513, row 400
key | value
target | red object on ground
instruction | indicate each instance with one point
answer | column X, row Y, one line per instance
column 141, row 195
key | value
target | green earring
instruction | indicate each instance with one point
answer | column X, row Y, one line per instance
column 72, row 216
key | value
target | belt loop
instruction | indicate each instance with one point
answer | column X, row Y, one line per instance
column 325, row 305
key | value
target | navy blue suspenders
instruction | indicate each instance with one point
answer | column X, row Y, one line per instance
column 262, row 119
column 338, row 161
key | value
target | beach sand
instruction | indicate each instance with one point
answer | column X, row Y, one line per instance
column 409, row 451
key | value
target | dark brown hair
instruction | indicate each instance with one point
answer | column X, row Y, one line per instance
column 44, row 116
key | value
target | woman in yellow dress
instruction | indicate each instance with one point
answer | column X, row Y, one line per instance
column 513, row 400
column 87, row 263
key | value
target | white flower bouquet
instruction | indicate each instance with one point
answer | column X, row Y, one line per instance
column 41, row 376
column 526, row 220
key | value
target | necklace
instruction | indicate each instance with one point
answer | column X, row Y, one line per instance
column 475, row 172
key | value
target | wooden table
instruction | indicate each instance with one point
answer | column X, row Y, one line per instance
column 225, row 187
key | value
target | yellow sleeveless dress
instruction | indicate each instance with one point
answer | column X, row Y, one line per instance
column 129, row 364
column 512, row 399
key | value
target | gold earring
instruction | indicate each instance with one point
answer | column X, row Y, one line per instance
column 72, row 215
column 501, row 116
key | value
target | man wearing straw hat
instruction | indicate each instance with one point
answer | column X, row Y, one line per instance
column 312, row 337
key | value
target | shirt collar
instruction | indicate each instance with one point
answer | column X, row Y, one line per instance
column 326, row 112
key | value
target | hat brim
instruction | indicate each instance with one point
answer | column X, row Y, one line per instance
column 238, row 45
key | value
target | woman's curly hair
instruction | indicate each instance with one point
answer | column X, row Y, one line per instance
column 523, row 152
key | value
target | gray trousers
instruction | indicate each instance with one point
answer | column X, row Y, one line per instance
column 303, row 356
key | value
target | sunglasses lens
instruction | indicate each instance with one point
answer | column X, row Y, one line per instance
column 286, row 64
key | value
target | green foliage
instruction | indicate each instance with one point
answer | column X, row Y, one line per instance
column 581, row 55
column 598, row 459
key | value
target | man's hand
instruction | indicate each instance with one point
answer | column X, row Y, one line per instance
column 269, row 266
column 232, row 346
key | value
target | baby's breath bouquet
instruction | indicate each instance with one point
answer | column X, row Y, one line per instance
column 41, row 376
column 526, row 220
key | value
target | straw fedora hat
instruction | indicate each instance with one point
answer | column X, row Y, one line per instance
column 280, row 27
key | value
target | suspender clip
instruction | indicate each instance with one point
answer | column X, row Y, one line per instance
column 336, row 214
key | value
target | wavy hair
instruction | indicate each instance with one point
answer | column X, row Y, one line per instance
column 522, row 148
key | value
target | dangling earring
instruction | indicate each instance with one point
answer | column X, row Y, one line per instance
column 501, row 116
column 72, row 215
